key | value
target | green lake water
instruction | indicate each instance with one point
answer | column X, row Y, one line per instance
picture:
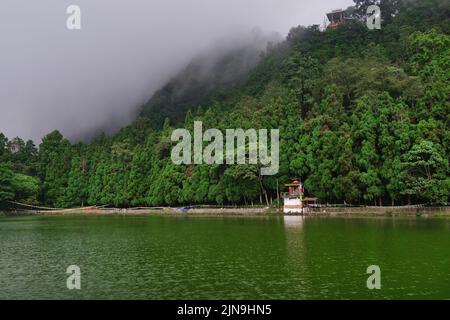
column 224, row 258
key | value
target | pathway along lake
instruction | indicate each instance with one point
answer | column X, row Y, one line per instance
column 224, row 258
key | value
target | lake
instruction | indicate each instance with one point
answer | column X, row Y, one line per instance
column 224, row 258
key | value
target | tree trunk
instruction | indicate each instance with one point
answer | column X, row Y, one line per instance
column 263, row 190
column 278, row 194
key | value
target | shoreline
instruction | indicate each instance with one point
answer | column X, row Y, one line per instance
column 243, row 212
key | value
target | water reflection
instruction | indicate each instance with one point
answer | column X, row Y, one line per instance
column 228, row 258
column 298, row 275
column 294, row 221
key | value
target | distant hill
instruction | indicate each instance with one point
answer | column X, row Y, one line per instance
column 209, row 77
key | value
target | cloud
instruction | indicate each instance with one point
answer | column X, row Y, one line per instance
column 96, row 78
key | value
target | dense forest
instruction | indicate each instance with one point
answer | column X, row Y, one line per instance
column 363, row 118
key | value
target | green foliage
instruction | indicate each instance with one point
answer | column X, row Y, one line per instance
column 77, row 184
column 430, row 61
column 426, row 173
column 389, row 8
column 6, row 183
column 363, row 118
column 18, row 161
column 54, row 168
column 26, row 188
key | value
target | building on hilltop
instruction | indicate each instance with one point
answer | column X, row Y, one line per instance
column 336, row 18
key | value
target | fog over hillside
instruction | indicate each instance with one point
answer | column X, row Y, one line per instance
column 84, row 81
column 208, row 77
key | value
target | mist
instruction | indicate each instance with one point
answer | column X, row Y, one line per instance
column 96, row 79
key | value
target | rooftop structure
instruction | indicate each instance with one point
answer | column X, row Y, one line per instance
column 336, row 18
column 293, row 198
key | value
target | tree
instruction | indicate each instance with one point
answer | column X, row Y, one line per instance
column 54, row 168
column 301, row 73
column 5, row 154
column 426, row 173
column 141, row 173
column 389, row 8
column 24, row 156
column 26, row 188
column 6, row 183
column 77, row 184
column 430, row 61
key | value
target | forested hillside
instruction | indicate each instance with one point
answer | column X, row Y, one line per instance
column 209, row 77
column 363, row 118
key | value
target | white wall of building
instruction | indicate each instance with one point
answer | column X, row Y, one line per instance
column 292, row 205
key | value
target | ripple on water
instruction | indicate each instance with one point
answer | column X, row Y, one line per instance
column 167, row 258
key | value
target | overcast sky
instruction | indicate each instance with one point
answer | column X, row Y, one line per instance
column 79, row 81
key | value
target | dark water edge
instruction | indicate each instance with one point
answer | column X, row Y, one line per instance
column 224, row 258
